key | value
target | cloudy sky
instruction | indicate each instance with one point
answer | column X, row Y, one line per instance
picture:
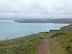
column 36, row 8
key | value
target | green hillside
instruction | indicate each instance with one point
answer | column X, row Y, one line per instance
column 23, row 45
column 61, row 41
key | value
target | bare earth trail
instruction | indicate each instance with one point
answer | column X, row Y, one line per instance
column 44, row 47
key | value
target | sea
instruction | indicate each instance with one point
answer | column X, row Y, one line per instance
column 10, row 29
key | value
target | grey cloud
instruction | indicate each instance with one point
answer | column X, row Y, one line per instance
column 36, row 8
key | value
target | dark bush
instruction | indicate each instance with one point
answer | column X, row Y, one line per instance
column 56, row 34
column 68, row 47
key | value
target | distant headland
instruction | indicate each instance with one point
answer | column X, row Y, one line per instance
column 65, row 21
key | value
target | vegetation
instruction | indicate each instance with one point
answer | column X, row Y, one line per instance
column 61, row 41
column 23, row 45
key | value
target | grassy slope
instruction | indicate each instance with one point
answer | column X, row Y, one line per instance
column 23, row 45
column 61, row 41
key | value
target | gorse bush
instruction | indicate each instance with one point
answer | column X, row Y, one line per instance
column 56, row 34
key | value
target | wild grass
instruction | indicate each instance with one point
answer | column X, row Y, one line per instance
column 23, row 45
column 61, row 41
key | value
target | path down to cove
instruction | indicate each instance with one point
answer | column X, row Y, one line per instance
column 44, row 47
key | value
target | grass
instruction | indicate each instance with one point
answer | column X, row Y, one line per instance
column 23, row 45
column 61, row 41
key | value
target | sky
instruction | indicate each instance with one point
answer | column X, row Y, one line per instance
column 36, row 8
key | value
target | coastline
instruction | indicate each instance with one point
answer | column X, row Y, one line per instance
column 45, row 23
column 40, row 32
column 15, row 34
column 13, row 21
column 30, row 42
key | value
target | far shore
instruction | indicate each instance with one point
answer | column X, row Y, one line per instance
column 45, row 23
column 39, row 23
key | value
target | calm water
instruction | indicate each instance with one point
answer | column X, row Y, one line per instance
column 10, row 30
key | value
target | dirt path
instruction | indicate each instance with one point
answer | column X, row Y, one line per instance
column 44, row 47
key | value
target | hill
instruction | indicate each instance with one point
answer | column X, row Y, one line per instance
column 44, row 20
column 23, row 45
column 61, row 41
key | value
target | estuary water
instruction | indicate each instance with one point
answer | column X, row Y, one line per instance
column 10, row 29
